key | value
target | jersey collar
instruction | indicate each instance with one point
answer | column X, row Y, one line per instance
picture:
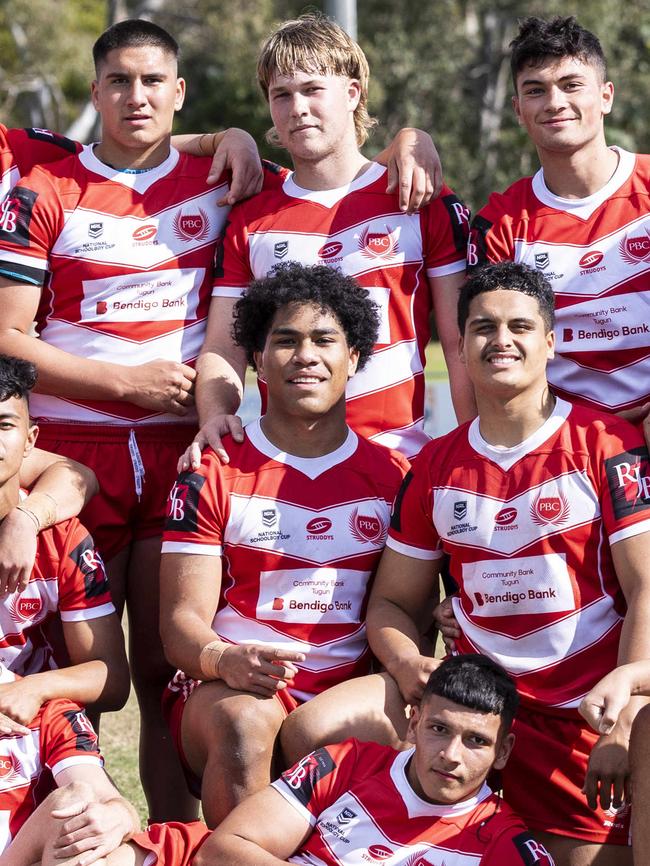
column 419, row 808
column 331, row 197
column 138, row 182
column 507, row 457
column 585, row 207
column 312, row 467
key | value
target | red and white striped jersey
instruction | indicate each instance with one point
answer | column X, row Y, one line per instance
column 529, row 531
column 22, row 149
column 300, row 539
column 68, row 581
column 126, row 265
column 59, row 737
column 595, row 252
column 358, row 800
column 361, row 230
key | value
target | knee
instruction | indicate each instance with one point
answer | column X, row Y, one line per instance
column 297, row 736
column 244, row 726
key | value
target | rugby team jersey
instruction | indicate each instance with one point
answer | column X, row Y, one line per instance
column 59, row 737
column 22, row 149
column 67, row 581
column 529, row 531
column 595, row 252
column 300, row 540
column 360, row 229
column 125, row 262
column 358, row 800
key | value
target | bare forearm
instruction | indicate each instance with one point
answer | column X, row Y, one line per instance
column 220, row 384
column 185, row 638
column 462, row 390
column 198, row 144
column 61, row 491
column 392, row 634
column 227, row 849
column 62, row 374
column 88, row 684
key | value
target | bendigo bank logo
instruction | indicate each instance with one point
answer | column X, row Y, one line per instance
column 192, row 227
column 550, row 509
column 366, row 527
column 635, row 249
column 378, row 245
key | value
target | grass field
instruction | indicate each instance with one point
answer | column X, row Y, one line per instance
column 119, row 731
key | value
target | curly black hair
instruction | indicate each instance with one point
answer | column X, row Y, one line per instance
column 17, row 377
column 539, row 40
column 323, row 287
column 513, row 277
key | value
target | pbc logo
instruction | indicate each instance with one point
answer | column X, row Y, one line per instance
column 281, row 249
column 376, row 245
column 191, row 227
column 95, row 230
column 460, row 509
column 542, row 260
column 329, row 250
column 318, row 525
column 592, row 259
column 506, row 516
column 10, row 769
column 25, row 608
column 628, row 477
column 145, row 233
column 366, row 528
column 550, row 509
column 636, row 249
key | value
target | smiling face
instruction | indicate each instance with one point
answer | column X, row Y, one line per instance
column 455, row 748
column 17, row 438
column 506, row 344
column 313, row 113
column 306, row 362
column 562, row 103
column 136, row 93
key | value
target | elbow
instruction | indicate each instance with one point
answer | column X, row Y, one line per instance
column 115, row 693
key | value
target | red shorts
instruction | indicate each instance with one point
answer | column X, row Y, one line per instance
column 135, row 476
column 172, row 844
column 543, row 778
column 174, row 698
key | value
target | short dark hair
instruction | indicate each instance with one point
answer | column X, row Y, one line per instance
column 133, row 33
column 513, row 277
column 476, row 682
column 539, row 40
column 17, row 378
column 319, row 285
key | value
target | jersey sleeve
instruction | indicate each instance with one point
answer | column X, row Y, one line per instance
column 491, row 236
column 446, row 225
column 31, row 217
column 83, row 585
column 232, row 269
column 412, row 531
column 624, row 466
column 517, row 848
column 197, row 510
column 319, row 779
column 67, row 737
column 38, row 146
